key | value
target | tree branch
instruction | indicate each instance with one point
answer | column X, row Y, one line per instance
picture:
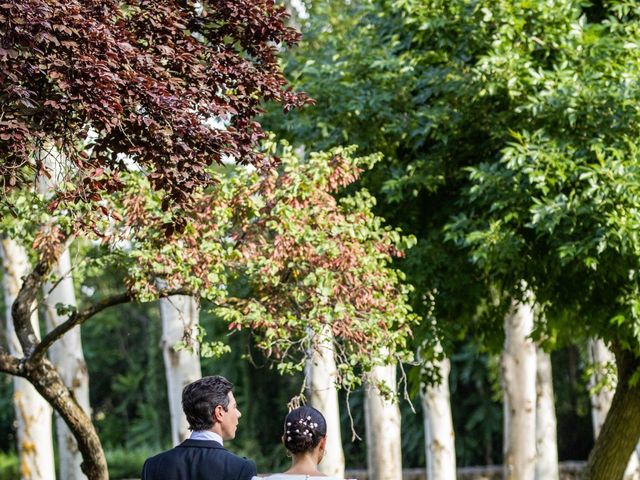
column 9, row 364
column 21, row 308
column 80, row 316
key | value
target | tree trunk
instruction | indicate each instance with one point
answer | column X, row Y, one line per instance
column 519, row 384
column 382, row 420
column 546, row 426
column 33, row 413
column 42, row 374
column 438, row 427
column 621, row 429
column 48, row 382
column 321, row 375
column 603, row 384
column 180, row 317
column 66, row 354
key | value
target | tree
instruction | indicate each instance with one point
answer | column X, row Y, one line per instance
column 33, row 414
column 170, row 87
column 546, row 423
column 68, row 358
column 180, row 328
column 438, row 424
column 552, row 172
column 66, row 354
column 519, row 386
column 602, row 384
column 382, row 426
column 320, row 375
column 513, row 125
column 274, row 253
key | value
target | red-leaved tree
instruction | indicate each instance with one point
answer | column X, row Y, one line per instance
column 167, row 86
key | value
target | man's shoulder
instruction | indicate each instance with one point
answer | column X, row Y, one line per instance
column 206, row 454
column 209, row 446
column 236, row 459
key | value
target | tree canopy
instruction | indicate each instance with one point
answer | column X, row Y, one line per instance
column 509, row 129
column 506, row 126
column 166, row 87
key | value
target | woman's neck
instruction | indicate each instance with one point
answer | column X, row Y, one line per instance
column 304, row 464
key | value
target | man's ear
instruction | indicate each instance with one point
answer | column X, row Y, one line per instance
column 216, row 416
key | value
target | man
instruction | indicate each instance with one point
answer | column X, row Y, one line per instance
column 212, row 413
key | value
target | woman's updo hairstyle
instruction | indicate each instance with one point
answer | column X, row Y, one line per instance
column 304, row 427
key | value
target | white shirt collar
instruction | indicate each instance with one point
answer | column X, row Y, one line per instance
column 206, row 435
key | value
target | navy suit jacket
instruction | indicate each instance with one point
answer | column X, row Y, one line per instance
column 198, row 460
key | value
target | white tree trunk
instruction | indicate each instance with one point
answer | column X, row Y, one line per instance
column 519, row 384
column 438, row 427
column 321, row 376
column 180, row 315
column 66, row 354
column 546, row 425
column 33, row 413
column 382, row 422
column 603, row 365
column 602, row 389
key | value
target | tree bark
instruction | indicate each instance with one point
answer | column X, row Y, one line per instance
column 321, row 375
column 546, row 425
column 48, row 382
column 382, row 420
column 33, row 413
column 438, row 426
column 621, row 429
column 603, row 385
column 180, row 317
column 42, row 374
column 67, row 356
column 519, row 384
column 602, row 388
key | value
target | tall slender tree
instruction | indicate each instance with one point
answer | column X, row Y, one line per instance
column 438, row 423
column 33, row 413
column 519, row 385
column 180, row 350
column 382, row 426
column 321, row 375
column 546, row 423
column 67, row 355
column 162, row 88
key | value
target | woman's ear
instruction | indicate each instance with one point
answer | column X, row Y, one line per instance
column 322, row 446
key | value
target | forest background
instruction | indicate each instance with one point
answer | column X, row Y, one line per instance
column 464, row 101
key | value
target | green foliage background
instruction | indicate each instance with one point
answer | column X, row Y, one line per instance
column 508, row 131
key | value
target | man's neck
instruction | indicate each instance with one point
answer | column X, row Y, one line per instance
column 206, row 435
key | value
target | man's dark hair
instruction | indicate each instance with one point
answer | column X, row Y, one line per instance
column 200, row 398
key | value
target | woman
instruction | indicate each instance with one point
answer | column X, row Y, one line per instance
column 305, row 437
